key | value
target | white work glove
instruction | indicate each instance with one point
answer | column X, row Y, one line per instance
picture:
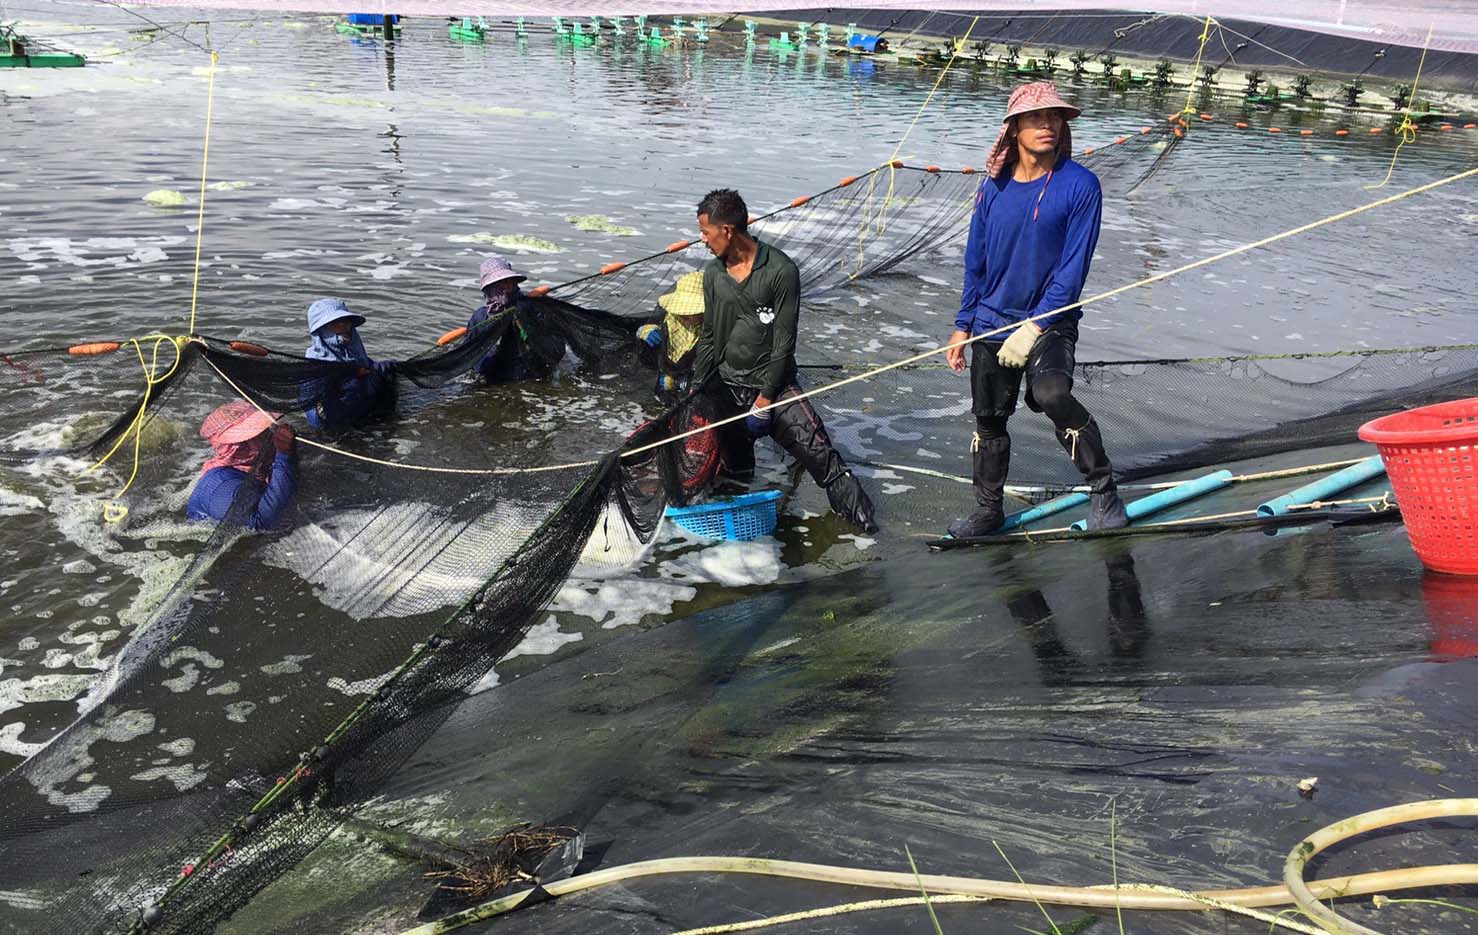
column 1018, row 347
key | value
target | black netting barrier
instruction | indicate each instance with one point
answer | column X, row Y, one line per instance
column 280, row 677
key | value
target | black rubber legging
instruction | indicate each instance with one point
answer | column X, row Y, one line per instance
column 1053, row 392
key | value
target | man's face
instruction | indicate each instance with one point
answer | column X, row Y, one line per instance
column 1039, row 130
column 715, row 236
column 341, row 326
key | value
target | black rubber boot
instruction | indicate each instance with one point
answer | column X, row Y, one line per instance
column 1085, row 447
column 849, row 501
column 989, row 460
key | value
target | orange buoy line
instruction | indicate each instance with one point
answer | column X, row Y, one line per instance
column 247, row 347
column 1342, row 131
column 680, row 245
column 94, row 349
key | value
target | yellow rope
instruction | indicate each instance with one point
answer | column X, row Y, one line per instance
column 1148, row 280
column 954, row 54
column 892, row 170
column 114, row 511
column 1196, row 68
column 908, row 361
column 204, row 164
column 1406, row 130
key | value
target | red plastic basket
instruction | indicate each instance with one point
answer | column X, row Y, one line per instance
column 1431, row 456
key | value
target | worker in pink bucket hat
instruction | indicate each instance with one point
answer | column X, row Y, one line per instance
column 530, row 347
column 252, row 472
column 1031, row 240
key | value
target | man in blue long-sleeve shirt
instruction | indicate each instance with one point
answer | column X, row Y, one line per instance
column 1031, row 241
column 252, row 473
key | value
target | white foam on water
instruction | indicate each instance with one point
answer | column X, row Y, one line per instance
column 361, row 687
column 288, row 666
column 183, row 777
column 11, row 742
column 488, row 681
column 543, row 639
column 730, row 564
column 75, row 761
column 40, row 252
column 16, row 693
column 13, row 503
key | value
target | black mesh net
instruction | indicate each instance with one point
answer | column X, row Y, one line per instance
column 278, row 678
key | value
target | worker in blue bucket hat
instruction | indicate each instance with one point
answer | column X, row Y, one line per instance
column 349, row 396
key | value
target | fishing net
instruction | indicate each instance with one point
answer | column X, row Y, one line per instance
column 279, row 678
column 865, row 225
column 284, row 676
column 1157, row 417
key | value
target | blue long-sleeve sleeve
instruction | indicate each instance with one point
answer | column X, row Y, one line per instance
column 218, row 488
column 1029, row 248
column 1071, row 272
column 279, row 493
column 974, row 266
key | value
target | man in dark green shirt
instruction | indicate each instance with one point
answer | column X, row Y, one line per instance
column 746, row 354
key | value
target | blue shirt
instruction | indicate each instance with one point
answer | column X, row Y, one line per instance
column 217, row 488
column 1029, row 248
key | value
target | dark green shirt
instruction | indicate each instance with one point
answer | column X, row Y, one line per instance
column 749, row 327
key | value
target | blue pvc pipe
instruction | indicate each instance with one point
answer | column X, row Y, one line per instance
column 1337, row 482
column 1169, row 497
column 1056, row 505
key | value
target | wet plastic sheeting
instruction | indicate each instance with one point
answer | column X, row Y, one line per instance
column 1012, row 698
column 1240, row 43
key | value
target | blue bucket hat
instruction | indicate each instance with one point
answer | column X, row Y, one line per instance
column 327, row 311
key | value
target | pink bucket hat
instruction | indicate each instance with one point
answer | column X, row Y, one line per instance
column 496, row 269
column 1039, row 95
column 235, row 422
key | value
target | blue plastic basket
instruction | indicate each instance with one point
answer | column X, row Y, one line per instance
column 737, row 519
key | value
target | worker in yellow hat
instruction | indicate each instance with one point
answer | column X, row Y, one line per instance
column 674, row 340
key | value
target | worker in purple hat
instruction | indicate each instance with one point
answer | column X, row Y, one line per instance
column 529, row 347
column 1031, row 240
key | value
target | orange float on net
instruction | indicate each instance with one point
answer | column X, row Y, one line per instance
column 1179, row 132
column 454, row 335
column 1144, row 130
column 1375, row 130
column 797, row 202
column 93, row 349
column 1121, row 141
column 1240, row 125
column 751, row 219
column 679, row 245
column 968, row 170
column 1470, row 126
column 246, row 347
column 610, row 268
column 1341, row 132
column 847, row 181
column 1445, row 127
column 1205, row 116
column 935, row 169
column 1088, row 151
column 1275, row 129
column 1305, row 132
column 539, row 291
column 896, row 163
